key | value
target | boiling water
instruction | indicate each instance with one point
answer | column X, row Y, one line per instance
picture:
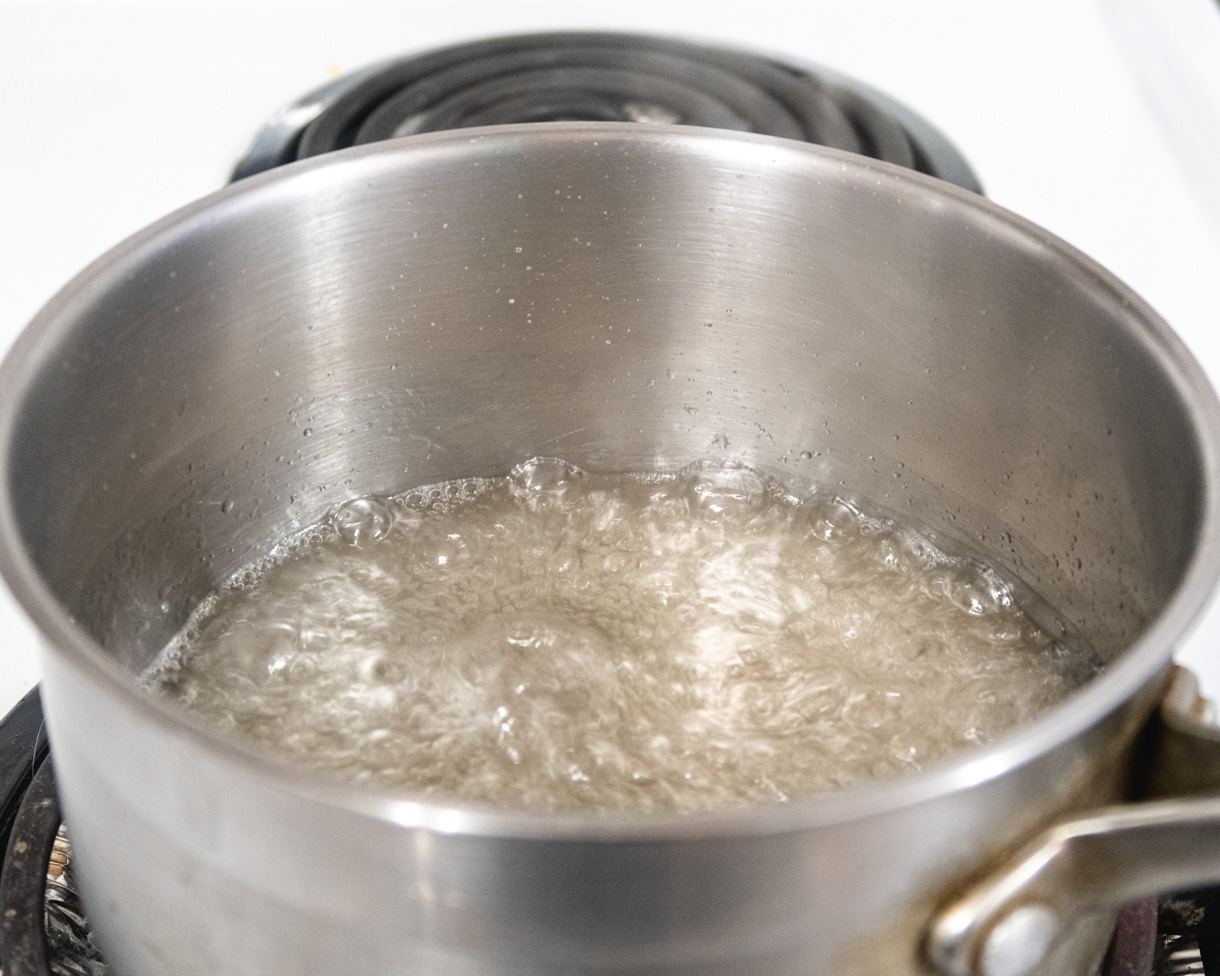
column 558, row 640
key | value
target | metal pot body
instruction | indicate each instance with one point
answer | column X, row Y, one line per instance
column 625, row 297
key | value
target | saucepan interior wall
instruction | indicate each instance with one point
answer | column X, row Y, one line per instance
column 625, row 298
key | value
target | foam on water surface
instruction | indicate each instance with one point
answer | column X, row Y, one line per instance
column 565, row 641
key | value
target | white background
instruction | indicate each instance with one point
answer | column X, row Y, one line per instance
column 1095, row 118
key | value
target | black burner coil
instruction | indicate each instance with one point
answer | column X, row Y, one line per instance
column 602, row 77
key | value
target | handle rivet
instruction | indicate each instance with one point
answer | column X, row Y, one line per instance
column 1017, row 943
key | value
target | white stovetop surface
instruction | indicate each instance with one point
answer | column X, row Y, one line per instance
column 114, row 115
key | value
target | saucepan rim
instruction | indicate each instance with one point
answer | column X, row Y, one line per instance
column 1141, row 663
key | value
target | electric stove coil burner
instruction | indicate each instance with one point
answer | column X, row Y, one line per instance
column 605, row 78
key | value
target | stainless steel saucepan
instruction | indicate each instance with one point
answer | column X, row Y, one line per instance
column 626, row 297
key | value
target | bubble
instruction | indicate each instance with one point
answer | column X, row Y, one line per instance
column 416, row 500
column 362, row 521
column 541, row 474
column 919, row 548
column 721, row 488
column 975, row 589
column 377, row 667
column 835, row 517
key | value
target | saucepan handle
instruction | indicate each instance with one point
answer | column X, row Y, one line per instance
column 1007, row 923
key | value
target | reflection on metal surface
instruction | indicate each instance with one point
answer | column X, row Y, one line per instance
column 1186, row 743
column 1099, row 862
